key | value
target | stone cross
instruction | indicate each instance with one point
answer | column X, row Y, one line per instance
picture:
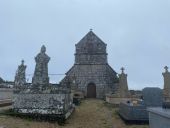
column 166, row 68
column 166, row 90
column 20, row 79
column 122, row 69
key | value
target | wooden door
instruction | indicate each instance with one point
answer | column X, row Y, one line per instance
column 91, row 90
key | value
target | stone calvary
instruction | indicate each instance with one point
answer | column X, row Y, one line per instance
column 41, row 97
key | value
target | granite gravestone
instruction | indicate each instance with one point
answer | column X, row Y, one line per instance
column 152, row 97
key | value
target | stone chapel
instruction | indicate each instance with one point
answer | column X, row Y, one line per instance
column 91, row 72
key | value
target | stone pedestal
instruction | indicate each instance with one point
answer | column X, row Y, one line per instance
column 46, row 103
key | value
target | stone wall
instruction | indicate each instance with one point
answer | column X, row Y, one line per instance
column 116, row 100
column 6, row 93
column 90, row 59
column 101, row 75
column 42, row 103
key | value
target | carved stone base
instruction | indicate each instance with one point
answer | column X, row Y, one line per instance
column 42, row 103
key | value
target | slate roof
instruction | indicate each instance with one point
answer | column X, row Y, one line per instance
column 90, row 37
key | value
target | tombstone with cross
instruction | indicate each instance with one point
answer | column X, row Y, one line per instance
column 123, row 84
column 166, row 89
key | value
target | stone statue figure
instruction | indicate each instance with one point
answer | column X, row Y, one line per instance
column 20, row 79
column 40, row 78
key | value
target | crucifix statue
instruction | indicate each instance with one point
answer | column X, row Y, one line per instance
column 40, row 77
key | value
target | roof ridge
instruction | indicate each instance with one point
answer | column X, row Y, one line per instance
column 90, row 37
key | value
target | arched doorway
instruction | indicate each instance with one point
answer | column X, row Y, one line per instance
column 91, row 90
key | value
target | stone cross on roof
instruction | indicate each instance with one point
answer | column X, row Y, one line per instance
column 122, row 69
column 166, row 68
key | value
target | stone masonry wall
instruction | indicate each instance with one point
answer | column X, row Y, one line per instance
column 41, row 103
column 101, row 75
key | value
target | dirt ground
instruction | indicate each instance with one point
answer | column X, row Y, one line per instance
column 91, row 113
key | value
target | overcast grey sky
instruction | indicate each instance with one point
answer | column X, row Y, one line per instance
column 137, row 33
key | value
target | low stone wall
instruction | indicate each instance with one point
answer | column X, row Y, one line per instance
column 42, row 103
column 6, row 93
column 116, row 100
